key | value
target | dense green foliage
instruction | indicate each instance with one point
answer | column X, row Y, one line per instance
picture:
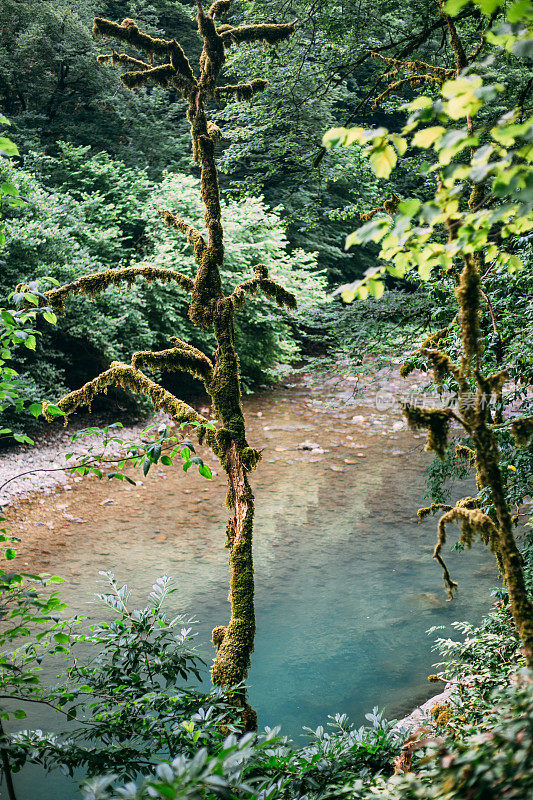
column 92, row 175
column 84, row 214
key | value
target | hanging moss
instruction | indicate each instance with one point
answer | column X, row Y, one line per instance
column 121, row 59
column 428, row 71
column 522, row 430
column 129, row 32
column 466, row 453
column 262, row 283
column 162, row 75
column 214, row 131
column 472, row 521
column 422, row 513
column 127, row 377
column 441, row 364
column 194, row 237
column 437, row 422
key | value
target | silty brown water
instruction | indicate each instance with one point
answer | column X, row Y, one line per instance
column 345, row 584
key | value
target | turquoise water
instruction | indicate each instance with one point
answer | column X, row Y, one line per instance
column 345, row 584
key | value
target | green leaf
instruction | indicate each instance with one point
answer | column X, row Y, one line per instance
column 61, row 638
column 8, row 146
column 8, row 188
column 54, row 411
column 409, row 207
column 376, row 289
column 166, row 461
column 146, row 466
column 35, row 409
column 428, row 136
column 10, row 553
column 519, row 11
column 50, row 317
column 399, row 143
column 372, row 231
column 383, row 160
column 420, row 102
column 205, row 471
column 488, row 6
column 452, row 7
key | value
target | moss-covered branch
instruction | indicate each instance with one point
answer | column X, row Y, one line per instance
column 129, row 32
column 122, row 59
column 472, row 521
column 182, row 357
column 269, row 34
column 430, row 72
column 437, row 423
column 96, row 283
column 240, row 91
column 194, row 236
column 261, row 282
column 128, row 377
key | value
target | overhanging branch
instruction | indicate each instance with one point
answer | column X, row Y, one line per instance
column 96, row 283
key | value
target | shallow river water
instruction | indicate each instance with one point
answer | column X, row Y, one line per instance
column 345, row 584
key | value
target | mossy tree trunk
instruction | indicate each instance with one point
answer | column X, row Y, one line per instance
column 473, row 413
column 209, row 307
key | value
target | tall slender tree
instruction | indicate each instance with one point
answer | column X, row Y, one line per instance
column 167, row 65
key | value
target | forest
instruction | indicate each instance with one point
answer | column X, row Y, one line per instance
column 266, row 400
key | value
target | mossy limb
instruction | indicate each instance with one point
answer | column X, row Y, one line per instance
column 181, row 357
column 219, row 7
column 127, row 377
column 98, row 282
column 240, row 91
column 472, row 521
column 270, row 34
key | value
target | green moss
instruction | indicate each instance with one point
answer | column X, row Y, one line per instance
column 437, row 422
column 441, row 364
column 95, row 284
column 219, row 7
column 162, row 75
column 422, row 513
column 128, row 31
column 182, row 357
column 269, row 34
column 468, row 297
column 240, row 91
column 523, row 430
column 472, row 521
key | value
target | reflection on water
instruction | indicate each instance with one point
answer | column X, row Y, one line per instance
column 345, row 584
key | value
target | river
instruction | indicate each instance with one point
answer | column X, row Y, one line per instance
column 345, row 584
